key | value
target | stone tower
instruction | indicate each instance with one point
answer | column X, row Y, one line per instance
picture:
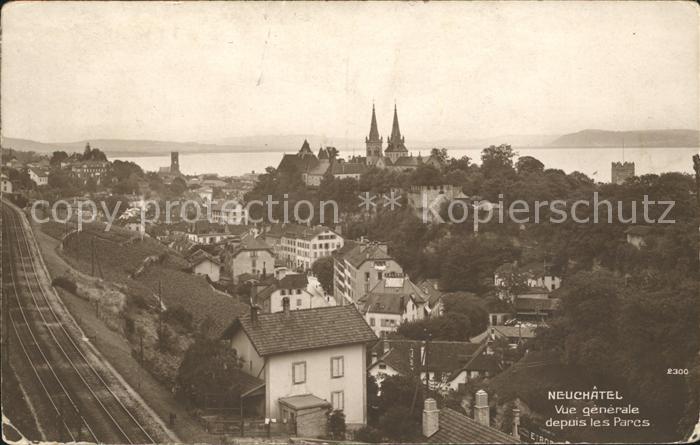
column 373, row 141
column 396, row 147
column 174, row 162
column 621, row 171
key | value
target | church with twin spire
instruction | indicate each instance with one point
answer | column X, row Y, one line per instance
column 396, row 156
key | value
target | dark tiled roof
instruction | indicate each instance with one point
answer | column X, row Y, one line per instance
column 483, row 362
column 386, row 296
column 293, row 281
column 297, row 163
column 535, row 290
column 361, row 252
column 295, row 231
column 407, row 161
column 348, row 168
column 200, row 255
column 456, row 427
column 347, row 247
column 525, row 332
column 247, row 382
column 428, row 286
column 304, row 329
column 443, row 356
column 536, row 304
column 304, row 401
column 249, row 242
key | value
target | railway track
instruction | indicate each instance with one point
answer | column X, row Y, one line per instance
column 80, row 396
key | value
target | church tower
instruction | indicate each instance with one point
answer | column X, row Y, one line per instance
column 174, row 162
column 373, row 141
column 396, row 148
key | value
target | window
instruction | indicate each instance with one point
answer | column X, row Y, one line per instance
column 367, row 276
column 338, row 400
column 283, row 292
column 379, row 276
column 298, row 301
column 337, row 367
column 298, row 372
column 298, row 291
column 371, row 321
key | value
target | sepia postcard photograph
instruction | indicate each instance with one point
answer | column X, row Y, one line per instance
column 352, row 222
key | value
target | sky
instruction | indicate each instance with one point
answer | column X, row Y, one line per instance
column 205, row 71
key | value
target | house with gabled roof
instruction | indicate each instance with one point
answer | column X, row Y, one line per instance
column 299, row 246
column 358, row 267
column 311, row 361
column 251, row 256
column 449, row 364
column 534, row 274
column 39, row 175
column 273, row 294
column 447, row 425
column 203, row 263
column 431, row 287
column 394, row 300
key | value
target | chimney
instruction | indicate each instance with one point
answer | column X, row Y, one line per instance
column 481, row 408
column 431, row 418
column 375, row 357
column 385, row 346
column 285, row 306
column 402, row 303
column 516, row 423
column 254, row 313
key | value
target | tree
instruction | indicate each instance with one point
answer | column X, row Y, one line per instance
column 440, row 154
column 426, row 174
column 336, row 424
column 528, row 164
column 453, row 326
column 57, row 157
column 495, row 160
column 209, row 367
column 178, row 186
column 322, row 268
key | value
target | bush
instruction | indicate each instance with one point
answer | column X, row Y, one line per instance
column 336, row 425
column 139, row 301
column 129, row 326
column 164, row 338
column 368, row 434
column 179, row 315
column 65, row 283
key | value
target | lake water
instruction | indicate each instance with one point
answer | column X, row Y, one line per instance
column 594, row 162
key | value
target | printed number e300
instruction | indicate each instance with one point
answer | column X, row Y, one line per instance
column 677, row 371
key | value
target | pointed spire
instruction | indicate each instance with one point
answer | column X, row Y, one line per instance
column 396, row 141
column 373, row 131
column 395, row 131
column 305, row 149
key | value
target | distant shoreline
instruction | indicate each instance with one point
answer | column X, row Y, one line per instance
column 279, row 150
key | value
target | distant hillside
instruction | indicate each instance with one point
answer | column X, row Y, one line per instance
column 647, row 138
column 120, row 147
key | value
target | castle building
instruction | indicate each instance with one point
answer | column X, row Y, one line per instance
column 621, row 171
